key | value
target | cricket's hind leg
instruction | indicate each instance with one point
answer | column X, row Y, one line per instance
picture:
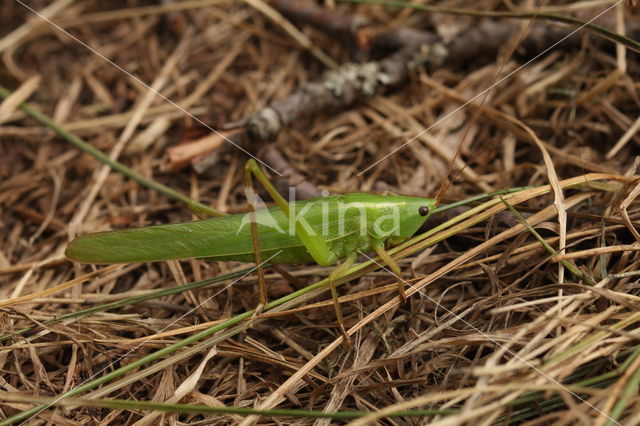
column 313, row 243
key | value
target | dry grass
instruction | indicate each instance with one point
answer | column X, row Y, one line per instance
column 493, row 317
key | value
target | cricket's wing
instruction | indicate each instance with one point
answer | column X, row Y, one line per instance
column 223, row 238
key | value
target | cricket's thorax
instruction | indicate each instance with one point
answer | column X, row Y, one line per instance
column 355, row 222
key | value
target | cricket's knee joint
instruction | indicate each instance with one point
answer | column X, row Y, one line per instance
column 324, row 262
column 250, row 165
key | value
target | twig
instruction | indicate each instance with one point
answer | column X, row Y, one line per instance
column 352, row 82
column 343, row 87
column 291, row 178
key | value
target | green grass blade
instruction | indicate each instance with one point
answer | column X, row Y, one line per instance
column 570, row 266
column 123, row 404
column 481, row 197
column 193, row 205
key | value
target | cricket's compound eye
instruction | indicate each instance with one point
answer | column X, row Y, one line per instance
column 423, row 210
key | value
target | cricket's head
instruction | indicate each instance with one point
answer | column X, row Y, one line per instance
column 414, row 212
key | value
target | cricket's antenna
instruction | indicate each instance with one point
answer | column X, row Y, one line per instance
column 446, row 183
